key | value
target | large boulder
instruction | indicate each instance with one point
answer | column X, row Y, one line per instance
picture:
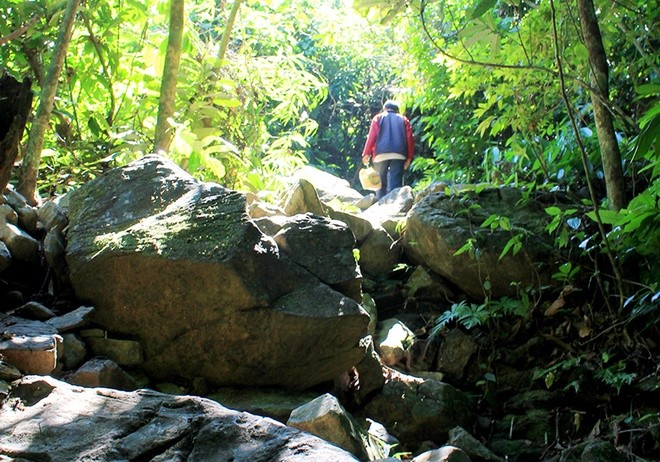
column 178, row 265
column 45, row 419
column 439, row 225
column 323, row 247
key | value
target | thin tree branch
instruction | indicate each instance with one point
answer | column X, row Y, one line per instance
column 473, row 62
column 614, row 109
column 20, row 31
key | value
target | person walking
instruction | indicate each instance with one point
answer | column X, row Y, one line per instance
column 390, row 145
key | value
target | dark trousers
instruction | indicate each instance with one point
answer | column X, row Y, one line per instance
column 391, row 175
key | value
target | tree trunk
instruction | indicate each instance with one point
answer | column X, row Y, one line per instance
column 163, row 136
column 15, row 107
column 27, row 185
column 609, row 146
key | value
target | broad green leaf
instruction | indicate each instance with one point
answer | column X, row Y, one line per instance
column 482, row 7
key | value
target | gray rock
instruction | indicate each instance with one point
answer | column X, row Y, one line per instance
column 28, row 219
column 443, row 454
column 99, row 372
column 258, row 209
column 395, row 204
column 60, row 422
column 52, row 216
column 421, row 357
column 5, row 257
column 332, row 188
column 392, row 339
column 302, row 198
column 8, row 215
column 379, row 253
column 72, row 320
column 454, row 355
column 424, row 285
column 274, row 403
column 21, row 245
column 439, row 225
column 9, row 372
column 270, row 226
column 5, row 389
column 123, row 352
column 322, row 246
column 416, row 410
column 370, row 373
column 25, row 215
column 35, row 311
column 74, row 351
column 361, row 227
column 217, row 298
column 459, row 437
column 55, row 251
column 326, row 418
column 33, row 347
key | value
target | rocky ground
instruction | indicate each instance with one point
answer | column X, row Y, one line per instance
column 569, row 381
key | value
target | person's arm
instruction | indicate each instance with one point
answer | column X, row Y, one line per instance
column 410, row 141
column 370, row 145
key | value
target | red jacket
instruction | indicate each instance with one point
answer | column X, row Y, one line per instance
column 370, row 145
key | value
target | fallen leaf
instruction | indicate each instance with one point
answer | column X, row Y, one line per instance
column 555, row 307
column 584, row 331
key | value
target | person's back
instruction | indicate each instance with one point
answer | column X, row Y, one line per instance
column 391, row 134
column 390, row 145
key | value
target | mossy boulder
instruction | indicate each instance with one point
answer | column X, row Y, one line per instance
column 178, row 265
column 440, row 226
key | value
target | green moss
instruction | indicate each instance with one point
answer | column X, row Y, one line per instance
column 208, row 228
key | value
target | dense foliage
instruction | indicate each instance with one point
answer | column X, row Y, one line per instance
column 499, row 92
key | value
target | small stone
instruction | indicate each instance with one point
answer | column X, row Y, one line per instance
column 326, row 418
column 55, row 251
column 72, row 320
column 52, row 216
column 444, row 454
column 35, row 311
column 89, row 333
column 170, row 388
column 13, row 299
column 459, row 437
column 9, row 372
column 123, row 352
column 32, row 354
column 5, row 257
column 21, row 245
column 102, row 373
column 74, row 351
column 392, row 339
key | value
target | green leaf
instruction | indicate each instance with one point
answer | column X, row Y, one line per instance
column 609, row 217
column 648, row 89
column 469, row 245
column 482, row 7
